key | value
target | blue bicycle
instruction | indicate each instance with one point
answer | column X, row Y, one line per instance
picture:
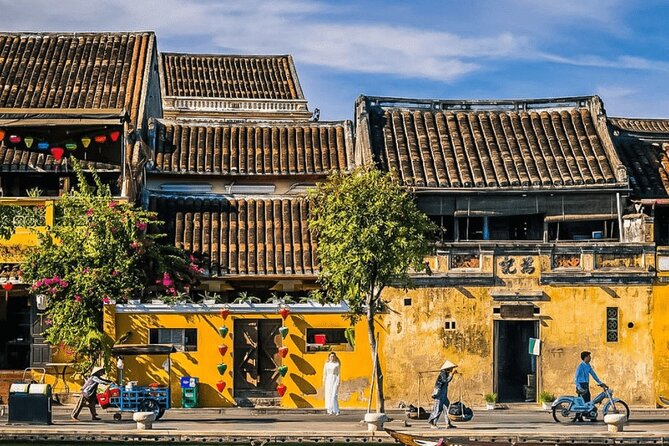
column 566, row 408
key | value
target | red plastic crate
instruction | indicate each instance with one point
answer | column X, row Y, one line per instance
column 320, row 339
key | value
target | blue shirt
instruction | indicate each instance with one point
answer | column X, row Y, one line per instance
column 583, row 372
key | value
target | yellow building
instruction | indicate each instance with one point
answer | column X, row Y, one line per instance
column 251, row 351
column 536, row 240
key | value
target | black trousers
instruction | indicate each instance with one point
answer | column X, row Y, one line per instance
column 586, row 396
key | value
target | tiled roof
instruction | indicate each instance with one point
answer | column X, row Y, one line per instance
column 12, row 160
column 641, row 125
column 243, row 237
column 222, row 76
column 493, row 145
column 253, row 149
column 72, row 70
column 643, row 146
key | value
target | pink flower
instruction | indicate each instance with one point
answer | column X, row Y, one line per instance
column 106, row 300
column 167, row 280
column 141, row 226
column 87, row 270
column 77, row 298
column 112, row 204
column 39, row 283
column 89, row 212
column 113, row 230
column 64, row 284
column 114, row 273
column 192, row 258
column 135, row 245
column 194, row 268
column 47, row 282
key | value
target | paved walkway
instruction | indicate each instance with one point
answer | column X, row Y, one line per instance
column 257, row 426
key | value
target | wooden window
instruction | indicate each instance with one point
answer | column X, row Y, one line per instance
column 612, row 324
column 330, row 339
column 449, row 325
column 183, row 339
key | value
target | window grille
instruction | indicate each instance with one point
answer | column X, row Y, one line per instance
column 612, row 324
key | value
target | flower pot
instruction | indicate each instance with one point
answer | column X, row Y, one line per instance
column 546, row 405
column 489, row 406
column 209, row 301
column 375, row 421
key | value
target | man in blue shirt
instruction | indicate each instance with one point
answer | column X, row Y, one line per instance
column 582, row 379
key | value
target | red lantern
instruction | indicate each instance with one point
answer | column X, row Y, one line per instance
column 100, row 139
column 283, row 351
column 57, row 153
column 220, row 386
column 281, row 389
column 114, row 135
column 7, row 286
column 222, row 349
column 225, row 312
column 2, row 134
column 14, row 139
column 284, row 312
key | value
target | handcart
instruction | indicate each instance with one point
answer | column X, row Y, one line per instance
column 131, row 398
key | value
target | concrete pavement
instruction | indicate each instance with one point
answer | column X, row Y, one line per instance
column 259, row 426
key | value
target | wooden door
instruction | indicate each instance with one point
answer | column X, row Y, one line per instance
column 256, row 358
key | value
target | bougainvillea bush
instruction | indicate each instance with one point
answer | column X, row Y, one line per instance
column 100, row 250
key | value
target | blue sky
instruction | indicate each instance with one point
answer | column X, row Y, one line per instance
column 471, row 49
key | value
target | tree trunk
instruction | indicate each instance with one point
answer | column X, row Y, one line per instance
column 380, row 402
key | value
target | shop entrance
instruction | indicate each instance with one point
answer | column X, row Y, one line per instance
column 15, row 337
column 515, row 369
column 256, row 348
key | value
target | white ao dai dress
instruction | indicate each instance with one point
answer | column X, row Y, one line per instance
column 331, row 386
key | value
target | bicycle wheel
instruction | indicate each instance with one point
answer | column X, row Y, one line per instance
column 621, row 408
column 150, row 405
column 562, row 414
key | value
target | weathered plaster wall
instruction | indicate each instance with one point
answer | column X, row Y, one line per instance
column 572, row 319
column 660, row 339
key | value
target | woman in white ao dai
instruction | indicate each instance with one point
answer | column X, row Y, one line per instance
column 331, row 372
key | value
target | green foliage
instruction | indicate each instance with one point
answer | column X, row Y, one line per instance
column 546, row 397
column 245, row 298
column 349, row 334
column 370, row 235
column 490, row 397
column 100, row 250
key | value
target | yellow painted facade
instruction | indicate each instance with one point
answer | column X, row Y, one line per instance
column 570, row 318
column 305, row 369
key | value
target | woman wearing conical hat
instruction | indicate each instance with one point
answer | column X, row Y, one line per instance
column 440, row 394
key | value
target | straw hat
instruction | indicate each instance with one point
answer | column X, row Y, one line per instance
column 97, row 370
column 448, row 365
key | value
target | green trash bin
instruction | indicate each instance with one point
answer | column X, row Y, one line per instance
column 189, row 393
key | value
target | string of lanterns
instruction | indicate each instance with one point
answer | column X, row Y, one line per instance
column 58, row 150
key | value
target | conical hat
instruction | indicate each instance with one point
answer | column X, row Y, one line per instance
column 448, row 365
column 97, row 370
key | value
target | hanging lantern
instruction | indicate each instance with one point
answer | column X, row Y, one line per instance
column 43, row 145
column 283, row 370
column 28, row 140
column 222, row 349
column 283, row 351
column 7, row 286
column 14, row 139
column 220, row 386
column 222, row 368
column 284, row 312
column 57, row 153
column 100, row 139
column 225, row 312
column 2, row 134
column 86, row 141
column 223, row 331
column 114, row 135
column 71, row 146
column 284, row 332
column 281, row 389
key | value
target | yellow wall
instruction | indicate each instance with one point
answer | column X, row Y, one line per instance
column 304, row 377
column 660, row 337
column 572, row 319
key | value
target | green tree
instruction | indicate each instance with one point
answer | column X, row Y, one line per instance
column 370, row 235
column 99, row 250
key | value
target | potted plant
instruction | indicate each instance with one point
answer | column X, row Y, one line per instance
column 490, row 400
column 546, row 399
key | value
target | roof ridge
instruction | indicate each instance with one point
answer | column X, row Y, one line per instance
column 73, row 33
column 170, row 53
column 466, row 105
